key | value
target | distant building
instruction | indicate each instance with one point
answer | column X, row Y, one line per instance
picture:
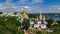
column 6, row 14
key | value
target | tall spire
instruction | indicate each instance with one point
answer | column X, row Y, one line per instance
column 40, row 16
column 24, row 15
column 24, row 9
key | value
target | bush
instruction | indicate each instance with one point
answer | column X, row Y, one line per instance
column 39, row 32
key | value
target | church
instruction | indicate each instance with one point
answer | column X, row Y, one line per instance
column 38, row 22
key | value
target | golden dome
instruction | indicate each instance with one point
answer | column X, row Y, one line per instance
column 43, row 18
column 36, row 18
column 40, row 16
column 24, row 15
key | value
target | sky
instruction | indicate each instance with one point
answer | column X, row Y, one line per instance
column 33, row 6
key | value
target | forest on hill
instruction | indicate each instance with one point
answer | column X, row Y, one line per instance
column 10, row 25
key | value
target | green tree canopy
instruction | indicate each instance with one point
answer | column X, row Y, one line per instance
column 26, row 23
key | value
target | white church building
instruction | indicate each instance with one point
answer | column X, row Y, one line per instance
column 39, row 22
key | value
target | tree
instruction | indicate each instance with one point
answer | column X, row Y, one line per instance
column 38, row 32
column 15, row 13
column 26, row 23
column 58, row 22
column 50, row 21
column 9, row 25
column 2, row 29
column 56, row 28
column 0, row 12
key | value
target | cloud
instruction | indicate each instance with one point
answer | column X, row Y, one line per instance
column 11, row 5
column 32, row 10
column 53, row 9
column 22, row 2
column 25, row 1
column 38, row 1
column 26, row 7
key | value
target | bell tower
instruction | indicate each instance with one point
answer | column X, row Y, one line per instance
column 24, row 14
column 40, row 16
